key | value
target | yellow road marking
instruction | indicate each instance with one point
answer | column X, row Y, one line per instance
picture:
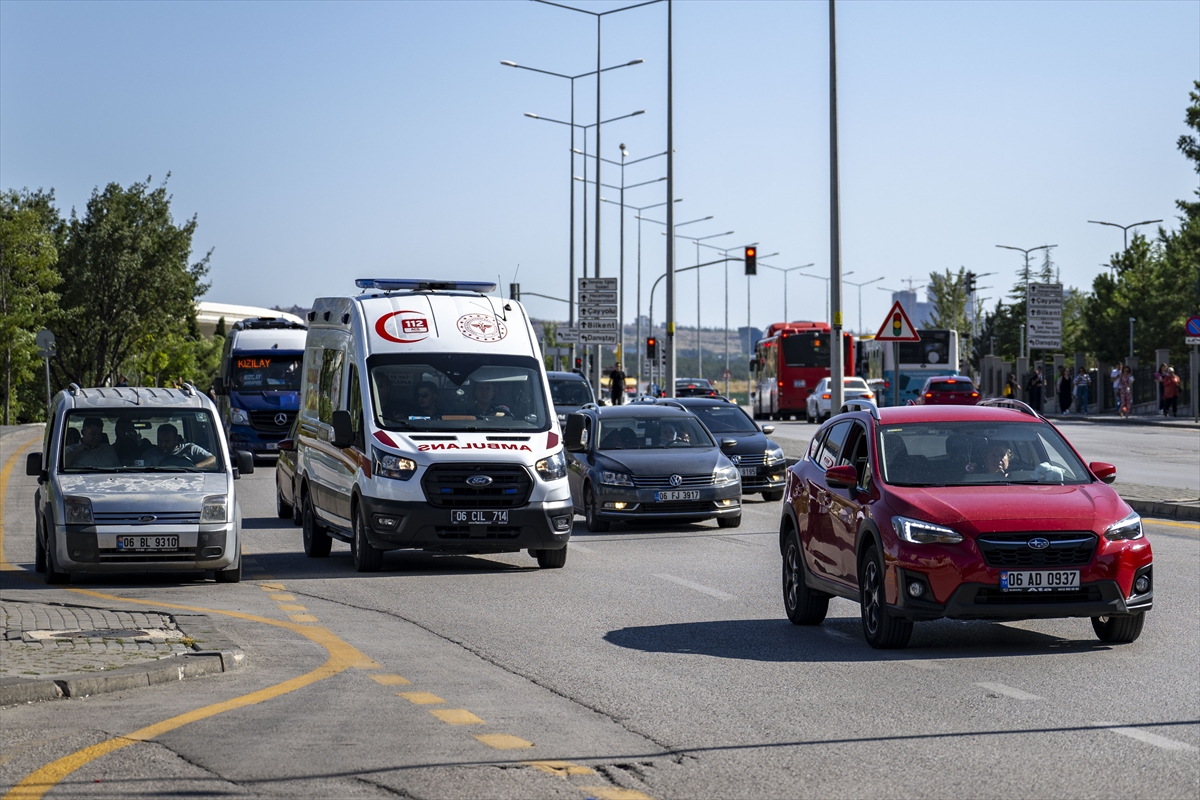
column 1191, row 525
column 614, row 793
column 390, row 680
column 456, row 716
column 291, row 607
column 281, row 596
column 4, row 473
column 271, row 587
column 560, row 768
column 304, row 618
column 421, row 698
column 504, row 741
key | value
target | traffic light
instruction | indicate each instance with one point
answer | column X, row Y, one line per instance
column 578, row 362
column 751, row 260
column 970, row 281
column 651, row 348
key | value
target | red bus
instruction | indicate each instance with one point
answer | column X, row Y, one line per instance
column 790, row 360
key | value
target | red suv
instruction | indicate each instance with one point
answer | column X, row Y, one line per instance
column 982, row 512
column 948, row 390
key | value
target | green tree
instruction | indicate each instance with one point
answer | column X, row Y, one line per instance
column 948, row 291
column 29, row 230
column 126, row 281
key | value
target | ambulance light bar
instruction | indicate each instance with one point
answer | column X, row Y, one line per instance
column 418, row 285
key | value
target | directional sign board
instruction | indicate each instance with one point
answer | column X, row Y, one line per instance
column 597, row 298
column 897, row 327
column 598, row 312
column 597, row 285
column 1045, row 316
column 593, row 325
column 567, row 335
column 598, row 337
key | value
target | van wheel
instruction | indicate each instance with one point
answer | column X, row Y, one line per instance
column 591, row 507
column 39, row 550
column 282, row 510
column 53, row 575
column 803, row 605
column 882, row 630
column 552, row 559
column 232, row 574
column 316, row 540
column 366, row 557
column 1119, row 630
column 729, row 522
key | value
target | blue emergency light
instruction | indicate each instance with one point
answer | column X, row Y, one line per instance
column 419, row 285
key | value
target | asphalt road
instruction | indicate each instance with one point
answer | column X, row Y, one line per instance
column 658, row 660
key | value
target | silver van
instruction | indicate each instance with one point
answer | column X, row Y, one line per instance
column 137, row 480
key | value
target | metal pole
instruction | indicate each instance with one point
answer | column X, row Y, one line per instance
column 640, row 339
column 785, row 294
column 599, row 349
column 727, row 376
column 621, row 275
column 669, row 378
column 49, row 410
column 835, row 266
column 1131, row 321
column 1194, row 379
column 571, row 176
column 895, row 373
column 699, row 342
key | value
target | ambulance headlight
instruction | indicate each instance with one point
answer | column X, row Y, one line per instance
column 552, row 468
column 387, row 465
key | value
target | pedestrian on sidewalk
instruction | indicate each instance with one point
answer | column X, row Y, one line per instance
column 1034, row 388
column 1010, row 386
column 1064, row 390
column 616, row 384
column 1170, row 392
column 1082, row 385
column 1116, row 378
column 1159, row 379
column 1125, row 391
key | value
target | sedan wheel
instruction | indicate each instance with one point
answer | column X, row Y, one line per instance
column 803, row 605
column 592, row 508
column 881, row 629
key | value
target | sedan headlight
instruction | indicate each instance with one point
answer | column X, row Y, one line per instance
column 1128, row 528
column 552, row 468
column 775, row 456
column 615, row 478
column 387, row 465
column 920, row 532
column 215, row 509
column 238, row 416
column 79, row 511
column 723, row 476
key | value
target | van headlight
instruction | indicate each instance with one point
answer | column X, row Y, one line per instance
column 215, row 509
column 920, row 532
column 615, row 478
column 775, row 456
column 238, row 416
column 78, row 511
column 1128, row 528
column 553, row 467
column 726, row 475
column 387, row 465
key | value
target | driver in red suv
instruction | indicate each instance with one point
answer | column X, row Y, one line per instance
column 963, row 512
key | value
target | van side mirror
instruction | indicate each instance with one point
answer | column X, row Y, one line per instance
column 245, row 463
column 728, row 445
column 33, row 464
column 219, row 386
column 343, row 429
column 575, row 438
column 1105, row 472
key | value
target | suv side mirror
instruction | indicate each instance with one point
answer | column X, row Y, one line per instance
column 1105, row 472
column 575, row 438
column 343, row 429
column 245, row 463
column 844, row 477
column 33, row 464
column 728, row 445
column 219, row 386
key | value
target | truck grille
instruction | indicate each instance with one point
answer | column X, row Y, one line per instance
column 1069, row 549
column 264, row 421
column 446, row 486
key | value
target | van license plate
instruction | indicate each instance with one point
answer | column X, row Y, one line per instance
column 476, row 517
column 1039, row 580
column 147, row 542
column 680, row 494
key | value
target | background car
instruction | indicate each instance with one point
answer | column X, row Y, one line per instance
column 819, row 399
column 694, row 387
column 759, row 460
column 569, row 391
column 948, row 390
column 649, row 461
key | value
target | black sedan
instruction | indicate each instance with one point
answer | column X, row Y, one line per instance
column 760, row 460
column 649, row 462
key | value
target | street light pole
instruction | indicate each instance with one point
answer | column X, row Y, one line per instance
column 1024, row 351
column 836, row 367
column 861, row 332
column 785, row 272
column 1124, row 228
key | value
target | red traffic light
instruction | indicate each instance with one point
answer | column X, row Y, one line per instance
column 751, row 259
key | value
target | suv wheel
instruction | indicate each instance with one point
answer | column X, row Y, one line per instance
column 881, row 629
column 803, row 605
column 316, row 540
column 1119, row 630
column 366, row 557
column 591, row 507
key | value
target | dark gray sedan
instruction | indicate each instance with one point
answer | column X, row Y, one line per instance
column 760, row 460
column 649, row 462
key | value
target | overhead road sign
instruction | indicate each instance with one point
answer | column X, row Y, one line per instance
column 598, row 337
column 597, row 298
column 598, row 312
column 567, row 335
column 597, row 284
column 1044, row 324
column 596, row 325
column 897, row 327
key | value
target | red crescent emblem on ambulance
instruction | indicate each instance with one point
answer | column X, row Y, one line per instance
column 417, row 326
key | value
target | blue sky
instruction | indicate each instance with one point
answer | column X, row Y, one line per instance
column 319, row 142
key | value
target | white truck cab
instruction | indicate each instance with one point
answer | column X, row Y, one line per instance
column 426, row 423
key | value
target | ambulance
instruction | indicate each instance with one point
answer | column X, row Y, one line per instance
column 426, row 423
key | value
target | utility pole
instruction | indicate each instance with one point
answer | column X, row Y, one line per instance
column 836, row 371
column 669, row 378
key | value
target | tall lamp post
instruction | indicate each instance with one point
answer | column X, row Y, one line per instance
column 1024, row 351
column 1124, row 228
column 861, row 332
column 785, row 282
column 826, row 279
column 670, row 276
column 699, row 341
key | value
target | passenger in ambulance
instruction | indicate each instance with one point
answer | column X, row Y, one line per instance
column 486, row 404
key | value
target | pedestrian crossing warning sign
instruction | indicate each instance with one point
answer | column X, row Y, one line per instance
column 896, row 327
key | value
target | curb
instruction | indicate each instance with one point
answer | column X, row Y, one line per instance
column 221, row 655
column 1175, row 423
column 1161, row 510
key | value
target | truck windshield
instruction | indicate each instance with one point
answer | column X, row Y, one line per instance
column 129, row 440
column 458, row 392
column 265, row 372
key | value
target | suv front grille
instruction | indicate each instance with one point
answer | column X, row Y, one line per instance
column 446, row 486
column 1071, row 549
column 264, row 421
column 664, row 481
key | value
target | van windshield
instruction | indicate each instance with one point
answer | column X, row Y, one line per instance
column 129, row 440
column 458, row 392
column 266, row 372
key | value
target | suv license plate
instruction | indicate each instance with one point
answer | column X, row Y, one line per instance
column 1039, row 580
column 147, row 542
column 680, row 494
column 479, row 517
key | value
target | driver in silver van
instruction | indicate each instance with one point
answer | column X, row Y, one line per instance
column 170, row 445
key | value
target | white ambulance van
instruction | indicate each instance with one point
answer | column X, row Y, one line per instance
column 426, row 423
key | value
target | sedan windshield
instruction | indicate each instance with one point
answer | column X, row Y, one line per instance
column 973, row 453
column 725, row 419
column 652, row 433
column 569, row 393
column 127, row 440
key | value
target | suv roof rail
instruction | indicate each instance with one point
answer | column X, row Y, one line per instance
column 1008, row 402
column 855, row 404
column 424, row 285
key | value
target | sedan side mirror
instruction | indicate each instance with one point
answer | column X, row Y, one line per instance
column 768, row 429
column 842, row 477
column 728, row 445
column 1105, row 472
column 245, row 463
column 343, row 429
column 575, row 437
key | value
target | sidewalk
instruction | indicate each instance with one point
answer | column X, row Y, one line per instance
column 1111, row 417
column 50, row 651
column 1158, row 502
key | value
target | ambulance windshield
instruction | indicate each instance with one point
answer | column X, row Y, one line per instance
column 458, row 392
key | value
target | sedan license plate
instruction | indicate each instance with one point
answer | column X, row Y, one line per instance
column 1039, row 580
column 271, row 445
column 676, row 494
column 161, row 543
column 749, row 471
column 477, row 517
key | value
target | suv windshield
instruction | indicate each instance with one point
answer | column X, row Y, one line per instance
column 973, row 453
column 652, row 433
column 265, row 373
column 567, row 392
column 724, row 419
column 133, row 440
column 458, row 392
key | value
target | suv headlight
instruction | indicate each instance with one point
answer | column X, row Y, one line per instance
column 78, row 511
column 215, row 509
column 615, row 478
column 238, row 416
column 775, row 456
column 920, row 532
column 553, row 467
column 387, row 465
column 1128, row 528
column 726, row 475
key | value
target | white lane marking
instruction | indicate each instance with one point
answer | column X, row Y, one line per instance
column 578, row 548
column 699, row 587
column 1008, row 691
column 932, row 665
column 1147, row 737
